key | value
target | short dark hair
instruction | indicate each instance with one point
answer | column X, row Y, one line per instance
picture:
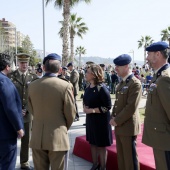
column 52, row 66
column 4, row 61
column 165, row 53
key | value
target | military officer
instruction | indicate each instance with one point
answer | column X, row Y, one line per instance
column 157, row 114
column 21, row 79
column 125, row 114
column 53, row 111
column 64, row 74
column 74, row 79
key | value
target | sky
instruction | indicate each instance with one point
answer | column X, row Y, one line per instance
column 115, row 26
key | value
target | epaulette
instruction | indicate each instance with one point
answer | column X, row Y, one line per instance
column 34, row 79
column 30, row 72
column 13, row 72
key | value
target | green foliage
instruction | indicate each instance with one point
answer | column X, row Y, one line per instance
column 66, row 5
column 145, row 41
column 76, row 27
column 27, row 47
column 59, row 3
column 165, row 34
column 80, row 50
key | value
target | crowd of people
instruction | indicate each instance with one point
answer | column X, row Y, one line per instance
column 40, row 106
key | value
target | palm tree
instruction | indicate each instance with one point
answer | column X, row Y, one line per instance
column 76, row 28
column 144, row 42
column 165, row 35
column 66, row 5
column 79, row 51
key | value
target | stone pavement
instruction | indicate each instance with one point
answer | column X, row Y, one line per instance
column 77, row 129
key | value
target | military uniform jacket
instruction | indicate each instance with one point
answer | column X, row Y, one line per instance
column 125, row 109
column 22, row 88
column 53, row 110
column 157, row 114
column 74, row 79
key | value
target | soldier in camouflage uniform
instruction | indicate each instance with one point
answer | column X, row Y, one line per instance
column 21, row 79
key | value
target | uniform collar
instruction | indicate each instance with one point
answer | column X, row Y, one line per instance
column 50, row 75
column 158, row 72
column 21, row 73
column 125, row 78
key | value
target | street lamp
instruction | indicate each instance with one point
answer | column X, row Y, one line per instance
column 43, row 28
column 132, row 51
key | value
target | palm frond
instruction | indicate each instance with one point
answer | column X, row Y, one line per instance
column 57, row 3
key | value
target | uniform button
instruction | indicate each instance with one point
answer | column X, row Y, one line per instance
column 115, row 106
column 154, row 128
column 117, row 92
column 23, row 99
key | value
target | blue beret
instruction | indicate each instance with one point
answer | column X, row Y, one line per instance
column 122, row 60
column 69, row 64
column 158, row 46
column 52, row 56
column 64, row 68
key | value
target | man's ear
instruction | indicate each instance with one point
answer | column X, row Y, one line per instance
column 43, row 67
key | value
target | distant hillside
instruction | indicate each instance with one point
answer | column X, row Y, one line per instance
column 100, row 60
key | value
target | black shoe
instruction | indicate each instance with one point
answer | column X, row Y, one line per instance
column 27, row 168
column 95, row 167
column 76, row 119
column 84, row 124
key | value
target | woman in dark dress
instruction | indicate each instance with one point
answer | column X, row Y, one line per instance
column 97, row 103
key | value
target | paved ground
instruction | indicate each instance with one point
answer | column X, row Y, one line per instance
column 77, row 129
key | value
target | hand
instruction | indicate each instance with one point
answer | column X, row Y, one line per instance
column 20, row 133
column 23, row 112
column 86, row 109
column 112, row 122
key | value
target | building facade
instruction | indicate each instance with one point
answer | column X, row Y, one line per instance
column 9, row 36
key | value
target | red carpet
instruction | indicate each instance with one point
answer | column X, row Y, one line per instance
column 145, row 153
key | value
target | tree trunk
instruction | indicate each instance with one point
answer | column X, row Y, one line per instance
column 144, row 54
column 66, row 15
column 72, row 48
column 79, row 60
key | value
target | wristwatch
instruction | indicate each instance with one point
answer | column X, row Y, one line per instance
column 93, row 111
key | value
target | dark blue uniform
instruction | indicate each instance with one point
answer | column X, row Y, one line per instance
column 11, row 121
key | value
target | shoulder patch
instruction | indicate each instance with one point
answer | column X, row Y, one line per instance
column 164, row 73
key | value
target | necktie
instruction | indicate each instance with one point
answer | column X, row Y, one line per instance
column 23, row 78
